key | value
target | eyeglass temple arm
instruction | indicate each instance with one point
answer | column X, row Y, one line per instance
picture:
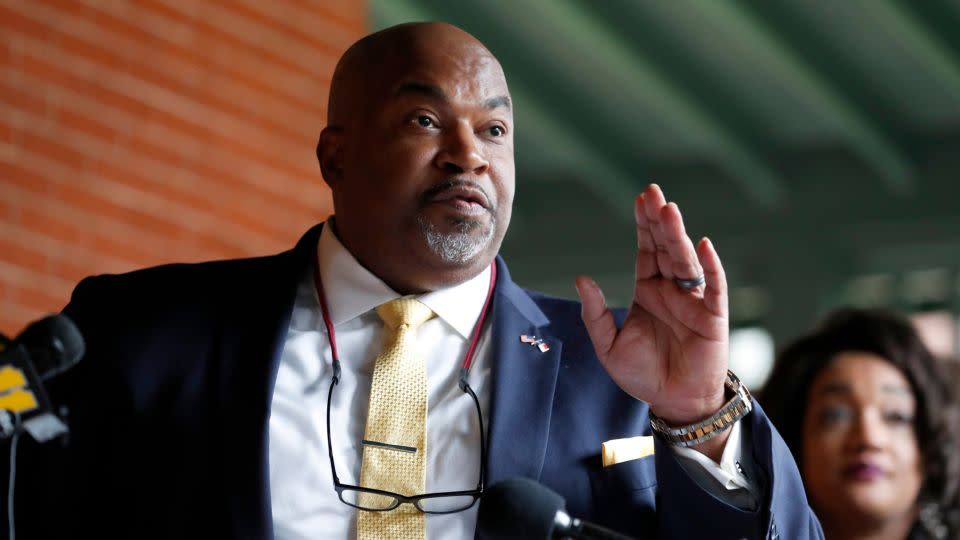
column 465, row 386
column 333, row 382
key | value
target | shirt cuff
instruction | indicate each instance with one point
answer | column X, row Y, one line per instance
column 727, row 479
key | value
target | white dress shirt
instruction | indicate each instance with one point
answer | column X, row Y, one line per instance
column 304, row 503
column 305, row 506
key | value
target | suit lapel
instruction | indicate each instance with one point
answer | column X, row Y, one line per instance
column 524, row 379
column 256, row 321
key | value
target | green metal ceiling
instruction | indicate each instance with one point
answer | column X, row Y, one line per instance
column 813, row 141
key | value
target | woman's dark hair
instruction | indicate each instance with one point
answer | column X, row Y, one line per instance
column 937, row 422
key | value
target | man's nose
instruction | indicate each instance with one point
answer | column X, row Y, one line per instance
column 462, row 152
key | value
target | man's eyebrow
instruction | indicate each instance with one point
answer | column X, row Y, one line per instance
column 432, row 91
column 498, row 101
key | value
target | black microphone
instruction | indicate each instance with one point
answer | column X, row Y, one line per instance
column 43, row 350
column 522, row 508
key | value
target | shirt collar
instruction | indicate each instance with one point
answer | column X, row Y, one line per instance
column 352, row 290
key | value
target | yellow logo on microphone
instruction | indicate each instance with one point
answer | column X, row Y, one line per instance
column 14, row 396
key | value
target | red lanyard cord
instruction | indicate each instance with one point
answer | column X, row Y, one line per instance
column 474, row 337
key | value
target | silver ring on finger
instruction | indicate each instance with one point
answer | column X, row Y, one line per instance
column 692, row 283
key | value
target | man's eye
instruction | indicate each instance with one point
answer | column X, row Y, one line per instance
column 497, row 131
column 425, row 121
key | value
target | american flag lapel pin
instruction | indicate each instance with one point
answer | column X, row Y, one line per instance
column 534, row 341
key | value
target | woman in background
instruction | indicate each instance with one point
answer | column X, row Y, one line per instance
column 872, row 419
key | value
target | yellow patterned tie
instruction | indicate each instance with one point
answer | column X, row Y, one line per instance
column 396, row 423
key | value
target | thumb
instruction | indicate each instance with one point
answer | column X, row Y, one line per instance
column 596, row 316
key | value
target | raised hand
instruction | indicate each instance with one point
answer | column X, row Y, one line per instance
column 672, row 348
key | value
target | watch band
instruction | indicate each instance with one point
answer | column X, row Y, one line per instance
column 739, row 405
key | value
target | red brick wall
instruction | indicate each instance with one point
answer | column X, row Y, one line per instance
column 134, row 133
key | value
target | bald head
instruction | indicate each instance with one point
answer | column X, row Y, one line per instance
column 367, row 68
column 418, row 153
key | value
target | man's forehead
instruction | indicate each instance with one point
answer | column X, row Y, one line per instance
column 468, row 75
column 439, row 57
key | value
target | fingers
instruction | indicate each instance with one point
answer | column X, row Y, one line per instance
column 675, row 253
column 653, row 204
column 596, row 316
column 715, row 294
column 683, row 257
column 646, row 247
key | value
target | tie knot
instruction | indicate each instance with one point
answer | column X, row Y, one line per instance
column 404, row 311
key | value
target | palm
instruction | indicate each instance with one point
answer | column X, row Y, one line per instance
column 671, row 350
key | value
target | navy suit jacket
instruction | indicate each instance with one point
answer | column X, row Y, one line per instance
column 169, row 416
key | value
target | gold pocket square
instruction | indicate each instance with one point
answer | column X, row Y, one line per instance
column 620, row 450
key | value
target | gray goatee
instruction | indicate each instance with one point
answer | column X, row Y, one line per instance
column 459, row 246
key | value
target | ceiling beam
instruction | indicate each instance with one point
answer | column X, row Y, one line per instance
column 906, row 21
column 570, row 152
column 941, row 17
column 384, row 13
column 886, row 158
column 576, row 36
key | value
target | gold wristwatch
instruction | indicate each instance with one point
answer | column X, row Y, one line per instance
column 739, row 405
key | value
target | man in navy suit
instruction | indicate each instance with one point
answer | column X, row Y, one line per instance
column 196, row 414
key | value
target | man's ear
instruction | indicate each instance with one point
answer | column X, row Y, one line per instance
column 330, row 154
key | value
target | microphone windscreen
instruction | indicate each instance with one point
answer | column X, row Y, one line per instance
column 54, row 343
column 518, row 508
